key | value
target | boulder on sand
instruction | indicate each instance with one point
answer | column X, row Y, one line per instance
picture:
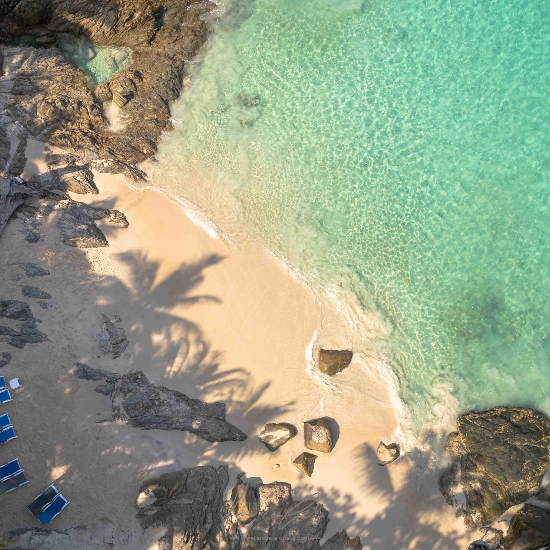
column 332, row 361
column 305, row 462
column 274, row 435
column 317, row 435
column 387, row 453
column 342, row 541
column 244, row 503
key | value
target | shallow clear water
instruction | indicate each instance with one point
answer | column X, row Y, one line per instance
column 376, row 142
column 99, row 63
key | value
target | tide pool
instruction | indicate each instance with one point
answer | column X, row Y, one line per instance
column 399, row 148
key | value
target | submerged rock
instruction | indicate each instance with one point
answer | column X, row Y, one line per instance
column 332, row 362
column 305, row 462
column 503, row 455
column 317, row 435
column 387, row 453
column 135, row 401
column 274, row 435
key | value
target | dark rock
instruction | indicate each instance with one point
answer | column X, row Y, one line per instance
column 44, row 305
column 27, row 333
column 387, row 453
column 33, row 270
column 503, row 455
column 6, row 358
column 332, row 362
column 32, row 237
column 305, row 462
column 78, row 229
column 35, row 292
column 106, row 389
column 317, row 435
column 274, row 435
column 244, row 503
column 189, row 506
column 448, row 480
column 77, row 179
column 342, row 541
column 529, row 529
column 112, row 339
column 141, row 404
column 283, row 524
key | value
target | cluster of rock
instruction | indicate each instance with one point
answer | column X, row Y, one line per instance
column 317, row 437
column 190, row 509
column 137, row 402
column 46, row 95
column 112, row 339
column 500, row 458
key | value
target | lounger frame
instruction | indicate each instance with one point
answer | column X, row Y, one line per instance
column 45, row 511
column 7, row 429
column 16, row 472
column 57, row 493
column 3, row 394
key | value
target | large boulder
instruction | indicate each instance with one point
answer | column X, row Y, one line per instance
column 317, row 435
column 305, row 462
column 503, row 455
column 135, row 401
column 274, row 435
column 332, row 361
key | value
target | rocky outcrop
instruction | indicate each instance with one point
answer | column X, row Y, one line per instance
column 387, row 453
column 6, row 358
column 503, row 455
column 274, row 435
column 332, row 361
column 56, row 102
column 317, row 435
column 305, row 462
column 189, row 506
column 27, row 323
column 35, row 292
column 112, row 339
column 137, row 402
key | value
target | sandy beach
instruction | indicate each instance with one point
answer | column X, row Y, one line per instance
column 217, row 321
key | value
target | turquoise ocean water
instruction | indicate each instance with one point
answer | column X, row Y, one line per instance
column 373, row 142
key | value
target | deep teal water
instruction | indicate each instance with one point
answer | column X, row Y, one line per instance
column 377, row 141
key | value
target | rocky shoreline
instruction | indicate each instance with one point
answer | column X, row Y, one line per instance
column 45, row 96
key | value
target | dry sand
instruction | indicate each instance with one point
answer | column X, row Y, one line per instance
column 219, row 322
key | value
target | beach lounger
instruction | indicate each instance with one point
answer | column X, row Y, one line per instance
column 52, row 510
column 7, row 435
column 5, row 396
column 12, row 483
column 4, row 421
column 7, row 470
column 42, row 500
column 2, row 383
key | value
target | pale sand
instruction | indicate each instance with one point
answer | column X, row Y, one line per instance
column 215, row 321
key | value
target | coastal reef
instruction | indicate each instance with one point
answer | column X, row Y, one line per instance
column 137, row 402
column 44, row 94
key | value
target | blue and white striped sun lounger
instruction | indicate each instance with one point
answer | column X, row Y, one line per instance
column 2, row 383
column 7, row 470
column 43, row 500
column 52, row 510
column 12, row 483
column 5, row 396
column 4, row 421
column 7, row 435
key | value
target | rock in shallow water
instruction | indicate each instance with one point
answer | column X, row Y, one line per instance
column 274, row 435
column 332, row 362
column 503, row 454
column 317, row 435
